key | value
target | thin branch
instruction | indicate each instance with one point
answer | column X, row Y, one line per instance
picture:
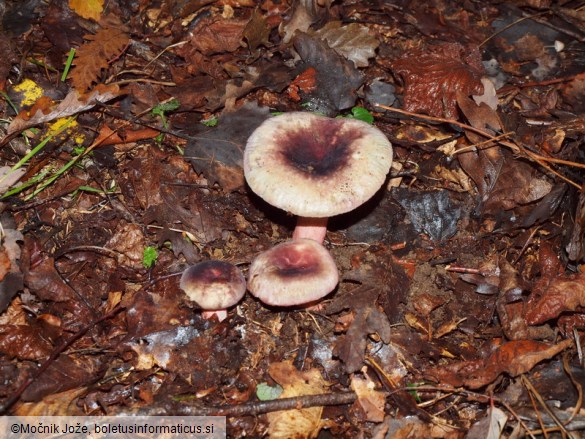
column 523, row 152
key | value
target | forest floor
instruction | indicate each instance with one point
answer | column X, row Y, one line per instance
column 459, row 308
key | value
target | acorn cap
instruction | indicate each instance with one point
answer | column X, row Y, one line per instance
column 213, row 285
column 315, row 166
column 293, row 273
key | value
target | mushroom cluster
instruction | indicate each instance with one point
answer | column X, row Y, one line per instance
column 311, row 166
column 314, row 167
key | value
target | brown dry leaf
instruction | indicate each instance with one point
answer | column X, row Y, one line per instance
column 337, row 78
column 73, row 103
column 217, row 152
column 352, row 41
column 513, row 358
column 11, row 276
column 256, row 31
column 129, row 243
column 351, row 347
column 369, row 400
column 90, row 9
column 304, row 423
column 215, row 35
column 433, row 78
column 59, row 404
column 305, row 13
column 65, row 373
column 93, row 56
column 564, row 293
column 21, row 341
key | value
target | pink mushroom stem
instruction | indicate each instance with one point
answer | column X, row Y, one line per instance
column 311, row 228
column 221, row 314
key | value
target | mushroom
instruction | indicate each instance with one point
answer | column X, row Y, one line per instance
column 214, row 286
column 293, row 273
column 316, row 167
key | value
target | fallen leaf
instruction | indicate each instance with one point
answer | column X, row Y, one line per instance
column 433, row 77
column 303, row 423
column 351, row 347
column 215, row 35
column 431, row 212
column 59, row 404
column 217, row 152
column 513, row 358
column 369, row 400
column 256, row 31
column 305, row 13
column 64, row 373
column 490, row 426
column 90, row 9
column 73, row 103
column 94, row 55
column 352, row 41
column 337, row 78
column 11, row 279
column 564, row 293
column 21, row 341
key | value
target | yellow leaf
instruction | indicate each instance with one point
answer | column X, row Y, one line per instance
column 299, row 424
column 90, row 9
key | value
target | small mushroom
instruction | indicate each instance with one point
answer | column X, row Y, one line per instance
column 214, row 286
column 293, row 273
column 316, row 167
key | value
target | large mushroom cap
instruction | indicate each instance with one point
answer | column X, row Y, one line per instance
column 213, row 285
column 315, row 166
column 293, row 273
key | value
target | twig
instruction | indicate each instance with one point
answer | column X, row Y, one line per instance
column 541, row 160
column 257, row 408
column 54, row 355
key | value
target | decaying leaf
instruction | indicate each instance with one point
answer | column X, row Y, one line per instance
column 351, row 347
column 513, row 358
column 564, row 293
column 305, row 13
column 433, row 78
column 73, row 103
column 10, row 274
column 304, row 423
column 65, row 373
column 23, row 342
column 337, row 78
column 369, row 400
column 217, row 153
column 59, row 404
column 490, row 426
column 353, row 41
column 88, row 8
column 256, row 31
column 215, row 35
column 93, row 56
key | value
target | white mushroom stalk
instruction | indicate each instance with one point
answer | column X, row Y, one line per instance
column 316, row 167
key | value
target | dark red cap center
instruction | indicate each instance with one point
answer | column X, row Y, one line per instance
column 320, row 150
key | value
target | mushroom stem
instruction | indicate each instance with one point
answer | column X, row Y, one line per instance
column 221, row 314
column 311, row 228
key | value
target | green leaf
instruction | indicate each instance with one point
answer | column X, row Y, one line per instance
column 211, row 122
column 264, row 392
column 362, row 114
column 149, row 256
column 165, row 107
